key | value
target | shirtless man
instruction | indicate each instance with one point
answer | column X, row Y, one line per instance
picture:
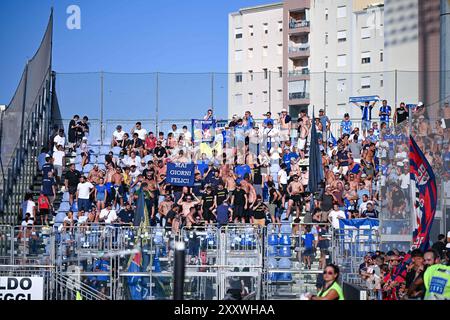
column 423, row 127
column 186, row 205
column 165, row 206
column 117, row 187
column 285, row 127
column 353, row 183
column 161, row 169
column 95, row 174
column 294, row 189
column 302, row 136
column 249, row 189
column 230, row 182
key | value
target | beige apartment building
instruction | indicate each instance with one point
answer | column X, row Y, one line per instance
column 255, row 60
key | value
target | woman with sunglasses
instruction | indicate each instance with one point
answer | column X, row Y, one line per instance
column 331, row 289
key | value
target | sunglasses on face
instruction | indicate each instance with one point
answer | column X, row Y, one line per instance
column 328, row 272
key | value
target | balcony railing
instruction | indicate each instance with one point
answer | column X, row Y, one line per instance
column 303, row 48
column 299, row 72
column 298, row 95
column 293, row 24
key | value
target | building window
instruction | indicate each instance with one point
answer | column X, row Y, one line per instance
column 264, row 53
column 238, row 77
column 342, row 36
column 265, row 73
column 342, row 60
column 238, row 55
column 341, row 85
column 238, row 99
column 365, row 33
column 264, row 96
column 250, row 53
column 365, row 57
column 280, row 26
column 326, row 38
column 342, row 12
column 280, row 48
column 365, row 82
column 250, row 97
column 381, row 81
column 280, row 72
column 326, row 62
column 238, row 33
column 326, row 14
column 279, row 95
column 266, row 28
column 250, row 75
column 381, row 55
column 250, row 30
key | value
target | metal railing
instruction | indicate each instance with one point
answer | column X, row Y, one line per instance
column 293, row 24
column 298, row 95
column 303, row 48
column 302, row 71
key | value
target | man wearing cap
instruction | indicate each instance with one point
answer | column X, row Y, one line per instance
column 346, row 125
column 117, row 136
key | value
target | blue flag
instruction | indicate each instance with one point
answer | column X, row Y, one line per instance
column 139, row 262
column 315, row 163
column 333, row 140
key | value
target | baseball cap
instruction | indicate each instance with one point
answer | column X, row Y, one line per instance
column 283, row 110
column 321, row 110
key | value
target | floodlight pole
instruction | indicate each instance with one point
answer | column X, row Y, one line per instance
column 157, row 104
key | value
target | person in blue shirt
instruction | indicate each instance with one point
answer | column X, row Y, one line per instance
column 346, row 125
column 223, row 213
column 267, row 120
column 288, row 155
column 385, row 112
column 308, row 241
column 248, row 121
column 241, row 170
column 366, row 118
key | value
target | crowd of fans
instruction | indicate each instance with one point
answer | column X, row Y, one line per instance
column 247, row 171
column 397, row 275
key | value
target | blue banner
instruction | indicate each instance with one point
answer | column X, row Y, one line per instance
column 363, row 99
column 180, row 174
column 358, row 223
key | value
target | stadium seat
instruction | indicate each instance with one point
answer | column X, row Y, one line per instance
column 116, row 151
column 284, row 263
column 284, row 252
column 272, row 263
column 285, row 276
column 272, row 251
column 285, row 240
column 273, row 239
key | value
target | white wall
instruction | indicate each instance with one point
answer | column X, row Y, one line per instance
column 256, row 16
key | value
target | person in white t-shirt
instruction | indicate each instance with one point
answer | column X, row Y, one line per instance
column 108, row 215
column 59, row 140
column 117, row 136
column 335, row 215
column 58, row 162
column 84, row 191
column 142, row 133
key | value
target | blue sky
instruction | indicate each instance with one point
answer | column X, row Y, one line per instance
column 123, row 36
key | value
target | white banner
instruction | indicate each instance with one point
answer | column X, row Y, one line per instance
column 21, row 288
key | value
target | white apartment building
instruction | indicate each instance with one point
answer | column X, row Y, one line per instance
column 255, row 60
column 331, row 50
column 348, row 43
